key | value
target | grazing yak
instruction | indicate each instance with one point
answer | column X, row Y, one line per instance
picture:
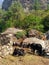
column 18, row 52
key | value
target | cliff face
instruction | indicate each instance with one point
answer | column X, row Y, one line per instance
column 6, row 4
column 27, row 4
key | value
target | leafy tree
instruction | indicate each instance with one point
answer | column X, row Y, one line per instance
column 2, row 25
column 45, row 22
column 33, row 22
column 2, row 20
column 36, row 5
column 17, row 14
column 12, row 17
column 47, row 6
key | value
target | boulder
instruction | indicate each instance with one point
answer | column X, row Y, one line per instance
column 4, row 40
column 12, row 31
column 37, row 34
column 47, row 35
column 47, row 45
column 6, row 50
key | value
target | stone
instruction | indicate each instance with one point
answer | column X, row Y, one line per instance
column 26, row 4
column 47, row 45
column 36, row 33
column 47, row 35
column 6, row 50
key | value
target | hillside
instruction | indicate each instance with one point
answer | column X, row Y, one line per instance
column 23, row 23
column 27, row 4
column 26, row 60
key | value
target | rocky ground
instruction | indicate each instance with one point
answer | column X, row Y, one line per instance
column 25, row 60
column 7, row 48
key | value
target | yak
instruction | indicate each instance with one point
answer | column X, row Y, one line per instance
column 37, row 47
column 18, row 52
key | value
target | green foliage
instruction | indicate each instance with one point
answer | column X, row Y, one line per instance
column 12, row 17
column 36, row 5
column 2, row 20
column 16, row 17
column 48, row 6
column 33, row 22
column 45, row 22
column 21, row 34
column 16, row 14
column 2, row 26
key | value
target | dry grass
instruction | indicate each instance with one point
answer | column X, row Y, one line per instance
column 26, row 60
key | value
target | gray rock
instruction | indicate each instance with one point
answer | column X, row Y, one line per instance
column 47, row 45
column 6, row 50
column 47, row 35
column 27, row 4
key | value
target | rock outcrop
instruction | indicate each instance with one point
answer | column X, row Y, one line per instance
column 4, row 40
column 37, row 34
column 47, row 35
column 5, row 50
column 47, row 45
column 7, row 39
column 5, row 45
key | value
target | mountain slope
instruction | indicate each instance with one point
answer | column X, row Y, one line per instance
column 27, row 4
column 25, row 60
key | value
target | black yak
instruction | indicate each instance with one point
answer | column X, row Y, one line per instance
column 19, row 52
column 38, row 47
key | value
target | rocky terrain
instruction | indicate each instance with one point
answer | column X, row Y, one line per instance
column 27, row 4
column 7, row 38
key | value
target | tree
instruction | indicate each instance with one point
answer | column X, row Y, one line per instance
column 45, row 22
column 32, row 22
column 2, row 20
column 17, row 14
column 47, row 5
column 36, row 5
column 12, row 17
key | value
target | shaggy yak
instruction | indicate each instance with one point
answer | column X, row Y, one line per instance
column 37, row 47
column 19, row 52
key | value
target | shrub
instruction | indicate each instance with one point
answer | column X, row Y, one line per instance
column 21, row 34
column 45, row 22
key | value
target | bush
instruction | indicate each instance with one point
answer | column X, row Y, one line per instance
column 45, row 22
column 21, row 34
